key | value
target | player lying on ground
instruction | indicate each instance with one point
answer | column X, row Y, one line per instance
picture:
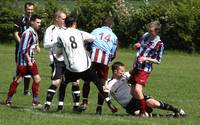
column 120, row 90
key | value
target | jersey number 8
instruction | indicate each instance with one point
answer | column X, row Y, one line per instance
column 73, row 42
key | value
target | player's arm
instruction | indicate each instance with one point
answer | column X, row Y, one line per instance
column 114, row 50
column 17, row 29
column 87, row 37
column 26, row 46
column 159, row 53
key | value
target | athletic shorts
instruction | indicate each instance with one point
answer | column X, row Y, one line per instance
column 24, row 70
column 58, row 68
column 101, row 70
column 139, row 77
column 134, row 105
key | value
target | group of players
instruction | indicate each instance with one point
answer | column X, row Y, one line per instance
column 70, row 62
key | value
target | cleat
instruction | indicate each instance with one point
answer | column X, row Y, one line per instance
column 27, row 93
column 60, row 109
column 179, row 113
column 98, row 111
column 77, row 109
column 46, row 108
column 36, row 105
column 144, row 115
column 112, row 108
column 8, row 102
column 83, row 106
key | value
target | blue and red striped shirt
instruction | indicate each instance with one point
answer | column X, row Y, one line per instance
column 151, row 47
column 104, row 46
column 28, row 43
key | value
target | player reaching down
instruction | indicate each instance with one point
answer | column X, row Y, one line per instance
column 120, row 89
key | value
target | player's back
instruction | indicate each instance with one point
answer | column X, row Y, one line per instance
column 75, row 56
column 105, row 38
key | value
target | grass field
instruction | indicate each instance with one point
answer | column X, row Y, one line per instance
column 175, row 80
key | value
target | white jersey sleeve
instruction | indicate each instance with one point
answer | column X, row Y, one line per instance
column 87, row 36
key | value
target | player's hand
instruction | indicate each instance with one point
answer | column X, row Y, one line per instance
column 38, row 49
column 137, row 46
column 142, row 59
column 105, row 88
column 30, row 64
column 114, row 109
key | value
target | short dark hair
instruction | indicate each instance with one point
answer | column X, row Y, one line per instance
column 34, row 17
column 28, row 4
column 107, row 21
column 70, row 20
column 116, row 65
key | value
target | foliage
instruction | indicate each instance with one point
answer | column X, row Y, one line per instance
column 8, row 11
column 180, row 19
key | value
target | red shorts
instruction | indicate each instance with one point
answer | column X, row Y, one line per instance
column 139, row 77
column 23, row 70
column 102, row 70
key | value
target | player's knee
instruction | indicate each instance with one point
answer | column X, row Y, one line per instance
column 76, row 83
column 37, row 78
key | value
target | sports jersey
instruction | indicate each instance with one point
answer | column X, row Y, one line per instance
column 120, row 89
column 21, row 24
column 50, row 39
column 28, row 43
column 150, row 47
column 71, row 45
column 104, row 45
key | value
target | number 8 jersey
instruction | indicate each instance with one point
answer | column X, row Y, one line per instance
column 71, row 44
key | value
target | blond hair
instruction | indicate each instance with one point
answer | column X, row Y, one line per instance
column 155, row 24
column 57, row 14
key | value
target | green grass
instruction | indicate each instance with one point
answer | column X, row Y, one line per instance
column 175, row 80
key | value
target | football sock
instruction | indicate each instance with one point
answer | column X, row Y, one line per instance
column 50, row 93
column 62, row 89
column 35, row 88
column 142, row 105
column 27, row 80
column 76, row 94
column 12, row 89
column 100, row 99
column 86, row 90
column 166, row 106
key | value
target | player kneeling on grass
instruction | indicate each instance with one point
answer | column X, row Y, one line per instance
column 120, row 90
column 78, row 64
column 26, row 61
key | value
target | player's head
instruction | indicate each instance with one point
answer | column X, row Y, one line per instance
column 118, row 69
column 154, row 27
column 29, row 8
column 71, row 21
column 35, row 22
column 59, row 18
column 107, row 21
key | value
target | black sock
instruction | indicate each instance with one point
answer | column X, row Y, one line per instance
column 26, row 84
column 76, row 94
column 166, row 106
column 100, row 99
column 50, row 94
column 62, row 90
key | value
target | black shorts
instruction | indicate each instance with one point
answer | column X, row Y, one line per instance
column 88, row 75
column 58, row 68
column 134, row 105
